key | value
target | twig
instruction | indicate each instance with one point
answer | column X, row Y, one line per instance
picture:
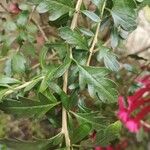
column 40, row 29
column 31, row 14
column 65, row 82
column 3, row 59
column 95, row 37
column 38, row 64
column 36, row 23
column 145, row 124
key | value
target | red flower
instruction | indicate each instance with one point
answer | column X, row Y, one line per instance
column 138, row 99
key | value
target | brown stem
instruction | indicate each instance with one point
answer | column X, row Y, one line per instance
column 95, row 37
column 65, row 83
column 93, row 44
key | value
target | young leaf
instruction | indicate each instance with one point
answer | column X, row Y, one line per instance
column 110, row 59
column 103, row 87
column 8, row 80
column 26, row 107
column 91, row 15
column 73, row 37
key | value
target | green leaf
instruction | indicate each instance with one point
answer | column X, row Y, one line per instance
column 65, row 100
column 22, row 18
column 94, row 118
column 62, row 68
column 37, row 144
column 47, row 95
column 97, row 2
column 42, row 7
column 55, row 73
column 124, row 15
column 63, row 96
column 110, row 59
column 81, row 132
column 91, row 15
column 29, row 49
column 114, row 38
column 24, row 6
column 56, row 8
column 103, row 87
column 86, row 32
column 18, row 63
column 8, row 67
column 73, row 37
column 144, row 2
column 112, row 132
column 32, row 84
column 31, row 28
column 61, row 48
column 8, row 80
column 26, row 107
column 10, row 26
column 43, row 55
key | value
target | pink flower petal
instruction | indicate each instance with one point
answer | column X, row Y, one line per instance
column 133, row 125
column 123, row 115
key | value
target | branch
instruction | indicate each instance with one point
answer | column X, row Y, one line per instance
column 65, row 83
column 95, row 37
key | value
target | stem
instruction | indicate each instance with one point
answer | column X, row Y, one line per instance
column 65, row 83
column 95, row 37
column 19, row 87
column 93, row 44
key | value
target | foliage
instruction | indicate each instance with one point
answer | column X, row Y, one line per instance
column 69, row 77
